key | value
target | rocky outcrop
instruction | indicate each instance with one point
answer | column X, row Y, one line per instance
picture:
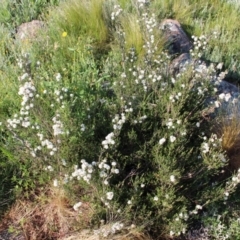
column 179, row 46
column 29, row 31
column 177, row 40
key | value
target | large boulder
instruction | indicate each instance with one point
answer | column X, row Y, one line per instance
column 177, row 40
column 179, row 47
column 29, row 31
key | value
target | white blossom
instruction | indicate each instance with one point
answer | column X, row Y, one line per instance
column 58, row 77
column 205, row 147
column 172, row 138
column 172, row 178
column 162, row 141
column 199, row 207
column 55, row 182
column 77, row 206
column 110, row 195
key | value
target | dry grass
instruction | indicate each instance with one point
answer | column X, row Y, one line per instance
column 228, row 128
column 46, row 216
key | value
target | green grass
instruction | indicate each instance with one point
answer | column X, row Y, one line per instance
column 204, row 19
column 82, row 17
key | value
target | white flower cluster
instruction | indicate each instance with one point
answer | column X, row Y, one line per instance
column 23, row 77
column 146, row 79
column 236, row 178
column 109, row 195
column 225, row 96
column 200, row 44
column 184, row 216
column 108, row 140
column 117, row 227
column 155, row 198
column 201, row 90
column 57, row 126
column 107, row 170
column 175, row 97
column 49, row 168
column 196, row 210
column 116, row 12
column 105, row 200
column 172, row 178
column 58, row 77
column 179, row 217
column 140, row 78
column 13, row 123
column 162, row 141
column 140, row 119
column 108, row 230
column 85, row 172
column 172, row 138
column 213, row 142
column 128, row 109
column 24, row 61
column 60, row 95
column 150, row 24
column 232, row 184
column 205, row 147
column 83, row 127
column 27, row 91
column 118, row 121
column 132, row 56
column 170, row 124
column 55, row 183
column 46, row 143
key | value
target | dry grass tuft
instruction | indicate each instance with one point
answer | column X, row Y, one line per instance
column 47, row 216
column 228, row 128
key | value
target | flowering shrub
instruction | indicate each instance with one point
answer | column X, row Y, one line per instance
column 120, row 132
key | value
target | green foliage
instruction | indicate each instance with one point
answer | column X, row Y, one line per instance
column 15, row 12
column 82, row 17
column 4, row 13
column 7, row 184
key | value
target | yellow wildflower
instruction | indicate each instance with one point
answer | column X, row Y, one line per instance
column 64, row 34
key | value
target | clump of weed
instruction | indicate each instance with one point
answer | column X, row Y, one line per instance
column 47, row 214
column 227, row 128
column 80, row 18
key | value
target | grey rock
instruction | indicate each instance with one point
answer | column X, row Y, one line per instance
column 29, row 30
column 180, row 45
column 177, row 40
column 180, row 63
